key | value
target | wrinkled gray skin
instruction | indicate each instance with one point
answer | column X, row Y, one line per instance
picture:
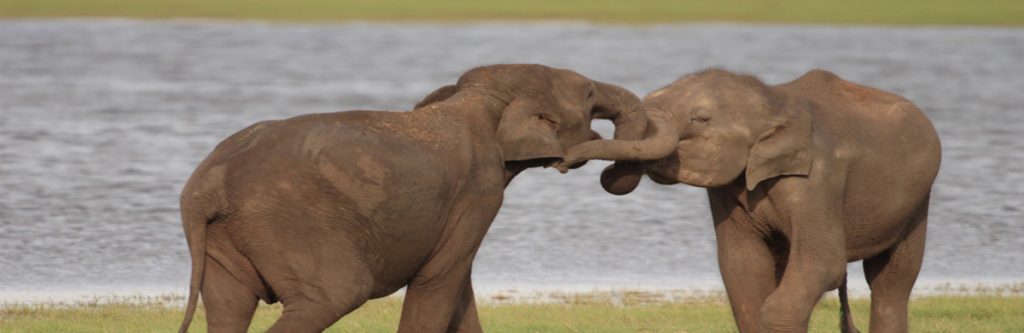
column 802, row 178
column 325, row 211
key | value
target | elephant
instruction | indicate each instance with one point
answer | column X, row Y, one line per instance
column 325, row 211
column 802, row 178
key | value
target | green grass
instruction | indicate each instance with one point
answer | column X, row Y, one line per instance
column 905, row 12
column 589, row 312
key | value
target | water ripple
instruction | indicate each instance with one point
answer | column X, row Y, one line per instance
column 103, row 120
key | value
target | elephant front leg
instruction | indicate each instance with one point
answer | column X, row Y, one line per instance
column 440, row 298
column 440, row 304
column 748, row 271
column 466, row 319
column 816, row 264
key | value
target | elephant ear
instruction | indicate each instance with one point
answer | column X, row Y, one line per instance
column 526, row 133
column 783, row 150
column 438, row 95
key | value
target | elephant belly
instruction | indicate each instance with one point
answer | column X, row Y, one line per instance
column 866, row 239
column 879, row 213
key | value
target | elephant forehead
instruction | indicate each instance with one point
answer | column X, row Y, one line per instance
column 664, row 98
column 677, row 93
column 656, row 93
column 682, row 86
column 690, row 101
column 699, row 99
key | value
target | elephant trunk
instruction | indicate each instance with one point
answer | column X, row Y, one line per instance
column 626, row 111
column 660, row 139
column 623, row 108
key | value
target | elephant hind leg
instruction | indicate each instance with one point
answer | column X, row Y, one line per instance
column 229, row 304
column 316, row 298
column 891, row 276
column 316, row 314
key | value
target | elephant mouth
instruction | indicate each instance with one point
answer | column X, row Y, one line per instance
column 664, row 170
column 660, row 178
column 532, row 163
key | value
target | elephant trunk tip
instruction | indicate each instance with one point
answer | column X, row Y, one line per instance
column 621, row 178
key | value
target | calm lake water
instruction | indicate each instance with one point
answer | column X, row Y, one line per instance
column 101, row 122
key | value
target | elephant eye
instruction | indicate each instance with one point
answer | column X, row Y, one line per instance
column 590, row 93
column 700, row 119
column 547, row 119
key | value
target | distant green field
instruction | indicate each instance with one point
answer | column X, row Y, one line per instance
column 905, row 12
column 580, row 313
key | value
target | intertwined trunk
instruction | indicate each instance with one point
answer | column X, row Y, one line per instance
column 639, row 136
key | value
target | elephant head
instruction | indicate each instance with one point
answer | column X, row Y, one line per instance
column 709, row 129
column 544, row 110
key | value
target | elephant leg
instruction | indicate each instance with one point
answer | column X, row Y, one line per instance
column 316, row 272
column 466, row 319
column 748, row 271
column 229, row 304
column 439, row 298
column 891, row 276
column 816, row 264
column 789, row 307
column 317, row 286
column 319, row 309
column 432, row 302
column 316, row 298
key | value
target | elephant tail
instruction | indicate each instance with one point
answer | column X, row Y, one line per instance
column 194, row 220
column 845, row 317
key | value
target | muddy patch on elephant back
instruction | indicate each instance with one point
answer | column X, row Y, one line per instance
column 362, row 180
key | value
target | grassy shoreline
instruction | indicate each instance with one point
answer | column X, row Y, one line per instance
column 568, row 312
column 909, row 12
